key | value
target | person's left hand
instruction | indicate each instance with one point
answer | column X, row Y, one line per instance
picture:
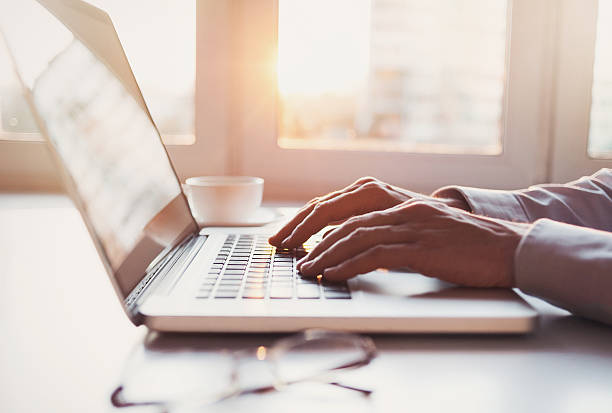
column 429, row 237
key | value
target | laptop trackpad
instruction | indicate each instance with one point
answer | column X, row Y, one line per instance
column 416, row 286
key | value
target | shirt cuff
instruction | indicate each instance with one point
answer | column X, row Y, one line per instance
column 568, row 266
column 488, row 202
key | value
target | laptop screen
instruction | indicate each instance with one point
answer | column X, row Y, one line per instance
column 89, row 107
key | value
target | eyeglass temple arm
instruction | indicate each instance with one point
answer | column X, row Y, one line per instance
column 117, row 400
column 365, row 392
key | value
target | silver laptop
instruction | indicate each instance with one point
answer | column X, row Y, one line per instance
column 169, row 274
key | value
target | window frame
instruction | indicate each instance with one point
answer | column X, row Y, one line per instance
column 302, row 173
column 569, row 158
column 28, row 164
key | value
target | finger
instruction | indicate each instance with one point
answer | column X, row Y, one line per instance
column 371, row 219
column 356, row 202
column 358, row 241
column 381, row 256
column 329, row 231
column 413, row 210
column 288, row 228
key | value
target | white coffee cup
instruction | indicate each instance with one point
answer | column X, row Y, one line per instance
column 223, row 199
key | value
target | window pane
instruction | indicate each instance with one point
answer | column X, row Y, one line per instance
column 159, row 40
column 411, row 75
column 600, row 132
column 16, row 121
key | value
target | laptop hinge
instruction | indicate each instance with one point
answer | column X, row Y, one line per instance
column 182, row 254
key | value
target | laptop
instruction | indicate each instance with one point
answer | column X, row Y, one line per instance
column 168, row 273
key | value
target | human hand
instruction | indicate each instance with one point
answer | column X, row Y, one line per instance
column 364, row 195
column 429, row 237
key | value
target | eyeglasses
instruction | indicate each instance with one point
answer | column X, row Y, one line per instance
column 184, row 380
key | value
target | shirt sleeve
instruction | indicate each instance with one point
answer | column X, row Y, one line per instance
column 586, row 202
column 568, row 266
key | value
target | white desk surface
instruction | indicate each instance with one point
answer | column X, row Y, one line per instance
column 65, row 339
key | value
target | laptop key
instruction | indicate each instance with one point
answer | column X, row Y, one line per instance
column 337, row 288
column 254, row 293
column 281, row 292
column 301, row 280
column 232, row 276
column 260, row 275
column 234, row 272
column 225, row 282
column 308, row 291
column 223, row 294
column 276, row 273
column 283, row 264
column 334, row 295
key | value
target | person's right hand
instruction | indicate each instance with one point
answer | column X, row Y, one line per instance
column 364, row 195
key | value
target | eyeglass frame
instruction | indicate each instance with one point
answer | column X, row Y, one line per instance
column 364, row 343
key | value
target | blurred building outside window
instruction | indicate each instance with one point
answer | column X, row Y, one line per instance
column 600, row 129
column 161, row 51
column 400, row 75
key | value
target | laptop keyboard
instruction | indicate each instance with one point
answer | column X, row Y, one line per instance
column 249, row 268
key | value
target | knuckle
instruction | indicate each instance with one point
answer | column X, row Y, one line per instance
column 359, row 232
column 420, row 207
column 373, row 185
column 320, row 207
column 353, row 222
column 365, row 179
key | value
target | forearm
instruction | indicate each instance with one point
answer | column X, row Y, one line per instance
column 585, row 202
column 569, row 266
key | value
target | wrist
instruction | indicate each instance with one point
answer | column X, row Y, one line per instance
column 518, row 231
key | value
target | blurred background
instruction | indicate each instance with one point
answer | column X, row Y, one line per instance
column 311, row 95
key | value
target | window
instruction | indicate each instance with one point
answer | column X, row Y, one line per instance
column 311, row 95
column 393, row 75
column 582, row 106
column 600, row 131
column 16, row 122
column 161, row 50
column 430, row 120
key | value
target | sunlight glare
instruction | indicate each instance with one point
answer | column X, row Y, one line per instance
column 331, row 57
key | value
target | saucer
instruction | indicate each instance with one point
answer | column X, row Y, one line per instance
column 261, row 216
